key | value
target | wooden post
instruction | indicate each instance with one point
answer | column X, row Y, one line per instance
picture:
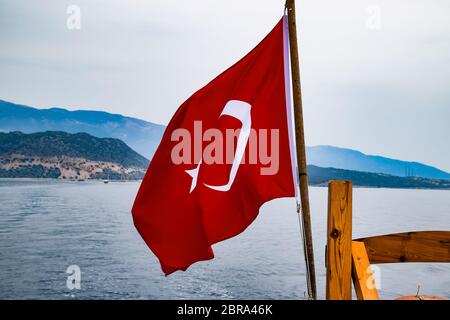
column 301, row 150
column 362, row 275
column 339, row 241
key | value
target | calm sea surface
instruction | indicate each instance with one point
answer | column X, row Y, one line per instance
column 48, row 225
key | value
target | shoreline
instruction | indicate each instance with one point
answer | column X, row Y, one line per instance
column 320, row 185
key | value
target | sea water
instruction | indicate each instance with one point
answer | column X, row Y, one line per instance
column 46, row 226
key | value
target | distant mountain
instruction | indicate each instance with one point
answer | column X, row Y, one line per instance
column 333, row 157
column 321, row 176
column 144, row 137
column 63, row 155
column 82, row 156
column 140, row 135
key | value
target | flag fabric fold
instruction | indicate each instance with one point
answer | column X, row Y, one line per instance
column 226, row 151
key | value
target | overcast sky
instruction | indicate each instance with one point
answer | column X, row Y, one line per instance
column 381, row 86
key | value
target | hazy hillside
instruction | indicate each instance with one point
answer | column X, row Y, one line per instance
column 82, row 156
column 144, row 137
column 80, row 145
column 321, row 176
column 63, row 155
column 140, row 135
column 329, row 156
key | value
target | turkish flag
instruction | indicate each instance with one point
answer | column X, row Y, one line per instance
column 204, row 184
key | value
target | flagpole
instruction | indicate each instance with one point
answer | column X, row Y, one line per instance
column 301, row 151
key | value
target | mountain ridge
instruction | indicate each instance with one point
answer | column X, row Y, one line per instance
column 140, row 135
column 319, row 176
column 56, row 154
column 79, row 156
column 144, row 137
column 348, row 159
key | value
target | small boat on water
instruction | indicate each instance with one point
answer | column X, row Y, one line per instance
column 105, row 181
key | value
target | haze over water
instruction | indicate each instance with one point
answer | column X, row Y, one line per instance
column 48, row 225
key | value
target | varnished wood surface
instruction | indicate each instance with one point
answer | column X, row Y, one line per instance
column 339, row 241
column 362, row 275
column 419, row 246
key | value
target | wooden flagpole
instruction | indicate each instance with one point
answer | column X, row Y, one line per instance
column 301, row 150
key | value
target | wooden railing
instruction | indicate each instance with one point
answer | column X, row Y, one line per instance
column 348, row 259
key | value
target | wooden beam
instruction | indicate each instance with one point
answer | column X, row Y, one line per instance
column 421, row 246
column 363, row 279
column 339, row 241
column 301, row 148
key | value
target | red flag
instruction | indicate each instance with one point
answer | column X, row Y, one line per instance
column 225, row 152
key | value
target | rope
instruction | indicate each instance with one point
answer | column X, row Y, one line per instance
column 308, row 271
